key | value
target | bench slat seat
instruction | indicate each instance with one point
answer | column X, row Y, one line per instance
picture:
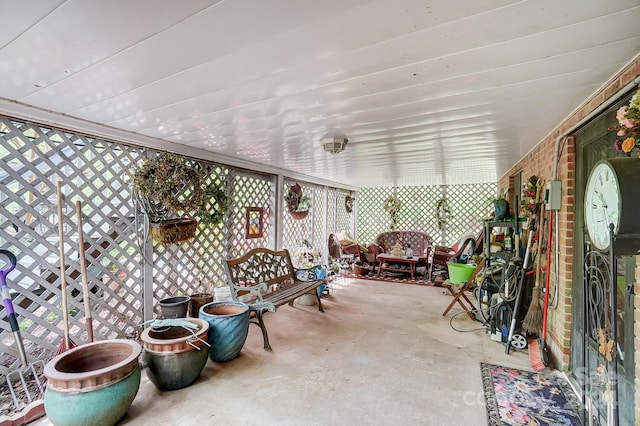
column 269, row 278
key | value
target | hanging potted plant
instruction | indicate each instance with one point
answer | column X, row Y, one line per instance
column 164, row 184
column 297, row 203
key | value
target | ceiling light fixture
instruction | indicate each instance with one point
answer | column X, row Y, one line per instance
column 333, row 144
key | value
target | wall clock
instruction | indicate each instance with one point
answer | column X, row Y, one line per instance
column 612, row 196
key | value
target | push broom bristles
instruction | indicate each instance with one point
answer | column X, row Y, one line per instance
column 536, row 355
column 533, row 320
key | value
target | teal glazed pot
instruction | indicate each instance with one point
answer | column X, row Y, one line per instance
column 228, row 328
column 501, row 208
column 93, row 384
column 174, row 357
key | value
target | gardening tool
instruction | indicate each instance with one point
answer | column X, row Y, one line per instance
column 21, row 375
column 83, row 271
column 520, row 290
column 533, row 319
column 66, row 343
column 543, row 362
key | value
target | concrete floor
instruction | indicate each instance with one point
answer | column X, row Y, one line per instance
column 381, row 354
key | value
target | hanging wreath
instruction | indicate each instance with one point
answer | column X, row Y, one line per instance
column 392, row 206
column 171, row 180
column 214, row 205
column 442, row 212
column 348, row 203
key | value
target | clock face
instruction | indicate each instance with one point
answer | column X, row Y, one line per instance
column 602, row 204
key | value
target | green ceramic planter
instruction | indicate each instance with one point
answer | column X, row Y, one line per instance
column 174, row 358
column 93, row 384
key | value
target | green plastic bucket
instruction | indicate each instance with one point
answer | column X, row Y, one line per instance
column 459, row 273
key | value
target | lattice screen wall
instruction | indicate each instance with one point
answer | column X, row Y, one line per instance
column 33, row 158
column 467, row 203
column 327, row 215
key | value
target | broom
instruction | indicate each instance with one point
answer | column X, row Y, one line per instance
column 537, row 348
column 66, row 343
column 532, row 322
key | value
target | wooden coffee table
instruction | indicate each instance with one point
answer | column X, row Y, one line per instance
column 387, row 258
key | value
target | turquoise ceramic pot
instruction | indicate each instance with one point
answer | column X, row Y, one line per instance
column 228, row 328
column 501, row 208
column 93, row 384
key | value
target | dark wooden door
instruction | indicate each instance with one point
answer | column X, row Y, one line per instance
column 591, row 288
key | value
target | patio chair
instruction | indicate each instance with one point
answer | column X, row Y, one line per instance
column 345, row 249
column 442, row 255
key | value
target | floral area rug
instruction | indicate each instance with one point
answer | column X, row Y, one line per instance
column 517, row 397
column 393, row 278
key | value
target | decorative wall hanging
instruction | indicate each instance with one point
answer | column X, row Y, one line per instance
column 253, row 225
column 348, row 203
column 628, row 127
column 172, row 180
column 165, row 184
column 214, row 205
column 392, row 206
column 531, row 195
column 443, row 214
column 297, row 203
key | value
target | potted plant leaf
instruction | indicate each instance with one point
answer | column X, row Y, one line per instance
column 165, row 185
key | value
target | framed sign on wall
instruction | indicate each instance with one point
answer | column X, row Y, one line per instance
column 253, row 224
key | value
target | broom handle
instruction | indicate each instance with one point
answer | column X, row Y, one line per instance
column 547, row 280
column 63, row 268
column 539, row 248
column 83, row 270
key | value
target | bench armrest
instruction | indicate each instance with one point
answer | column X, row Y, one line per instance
column 255, row 290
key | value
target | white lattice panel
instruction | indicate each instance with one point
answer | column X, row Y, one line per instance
column 467, row 203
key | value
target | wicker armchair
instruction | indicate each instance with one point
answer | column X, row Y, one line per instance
column 442, row 255
column 345, row 252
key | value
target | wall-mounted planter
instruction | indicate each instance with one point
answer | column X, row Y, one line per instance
column 299, row 215
column 172, row 231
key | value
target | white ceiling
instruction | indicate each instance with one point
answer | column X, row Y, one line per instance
column 427, row 92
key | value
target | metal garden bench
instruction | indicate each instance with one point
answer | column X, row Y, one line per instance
column 268, row 277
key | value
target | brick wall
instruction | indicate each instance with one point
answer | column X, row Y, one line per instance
column 539, row 162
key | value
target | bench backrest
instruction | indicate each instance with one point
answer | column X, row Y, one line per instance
column 418, row 240
column 260, row 265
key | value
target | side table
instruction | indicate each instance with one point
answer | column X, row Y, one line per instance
column 387, row 258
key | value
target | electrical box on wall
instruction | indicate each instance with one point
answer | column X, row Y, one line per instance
column 553, row 195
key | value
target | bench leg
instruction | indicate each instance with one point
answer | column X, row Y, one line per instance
column 320, row 308
column 265, row 337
